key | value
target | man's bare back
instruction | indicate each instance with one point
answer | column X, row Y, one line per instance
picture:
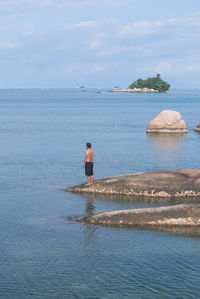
column 89, row 155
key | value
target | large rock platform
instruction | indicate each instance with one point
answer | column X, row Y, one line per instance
column 160, row 184
column 173, row 216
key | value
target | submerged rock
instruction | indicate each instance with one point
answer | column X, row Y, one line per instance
column 167, row 121
column 197, row 129
column 155, row 185
column 178, row 215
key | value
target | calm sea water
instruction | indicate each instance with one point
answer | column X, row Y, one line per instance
column 44, row 255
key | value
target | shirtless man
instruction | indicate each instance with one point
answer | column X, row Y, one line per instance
column 88, row 164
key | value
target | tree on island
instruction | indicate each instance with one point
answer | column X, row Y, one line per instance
column 155, row 83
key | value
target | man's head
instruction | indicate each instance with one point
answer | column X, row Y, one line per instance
column 88, row 145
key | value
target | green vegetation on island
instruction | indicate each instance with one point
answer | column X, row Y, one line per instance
column 155, row 83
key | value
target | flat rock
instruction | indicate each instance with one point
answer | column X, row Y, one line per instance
column 197, row 129
column 167, row 121
column 155, row 185
column 179, row 215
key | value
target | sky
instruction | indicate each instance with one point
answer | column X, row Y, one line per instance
column 98, row 43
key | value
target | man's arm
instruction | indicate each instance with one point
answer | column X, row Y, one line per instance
column 85, row 159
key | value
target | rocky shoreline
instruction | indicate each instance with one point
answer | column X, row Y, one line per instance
column 184, row 215
column 160, row 184
column 178, row 186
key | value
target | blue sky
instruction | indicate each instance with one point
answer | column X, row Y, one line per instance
column 98, row 43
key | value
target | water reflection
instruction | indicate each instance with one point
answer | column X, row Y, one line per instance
column 129, row 201
column 192, row 232
column 89, row 233
column 167, row 142
column 89, row 230
column 90, row 206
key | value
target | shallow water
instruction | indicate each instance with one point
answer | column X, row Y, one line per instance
column 44, row 255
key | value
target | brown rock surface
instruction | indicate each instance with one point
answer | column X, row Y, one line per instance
column 160, row 184
column 197, row 129
column 167, row 121
column 179, row 215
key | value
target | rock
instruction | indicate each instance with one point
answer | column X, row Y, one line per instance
column 197, row 129
column 140, row 90
column 167, row 121
column 170, row 216
column 161, row 184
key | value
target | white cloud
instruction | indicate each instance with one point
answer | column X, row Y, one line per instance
column 95, row 44
column 28, row 29
column 163, row 67
column 103, row 23
column 150, row 27
column 91, row 3
column 8, row 45
column 12, row 4
column 24, row 4
column 174, row 67
column 99, row 67
column 78, row 45
column 85, row 24
column 140, row 28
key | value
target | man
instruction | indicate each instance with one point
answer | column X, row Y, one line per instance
column 88, row 164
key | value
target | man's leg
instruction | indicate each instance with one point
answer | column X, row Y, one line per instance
column 91, row 180
column 88, row 183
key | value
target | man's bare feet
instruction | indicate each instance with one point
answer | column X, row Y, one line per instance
column 87, row 184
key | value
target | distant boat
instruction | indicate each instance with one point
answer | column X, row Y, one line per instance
column 82, row 88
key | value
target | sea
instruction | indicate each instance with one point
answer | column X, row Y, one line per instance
column 44, row 253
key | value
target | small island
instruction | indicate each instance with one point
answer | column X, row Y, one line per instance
column 150, row 85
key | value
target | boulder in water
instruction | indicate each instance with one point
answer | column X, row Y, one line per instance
column 197, row 129
column 167, row 121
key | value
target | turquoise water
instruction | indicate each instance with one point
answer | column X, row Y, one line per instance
column 45, row 255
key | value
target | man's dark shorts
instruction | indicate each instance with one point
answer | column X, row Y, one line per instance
column 89, row 168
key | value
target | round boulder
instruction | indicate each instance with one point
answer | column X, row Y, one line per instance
column 197, row 129
column 167, row 121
